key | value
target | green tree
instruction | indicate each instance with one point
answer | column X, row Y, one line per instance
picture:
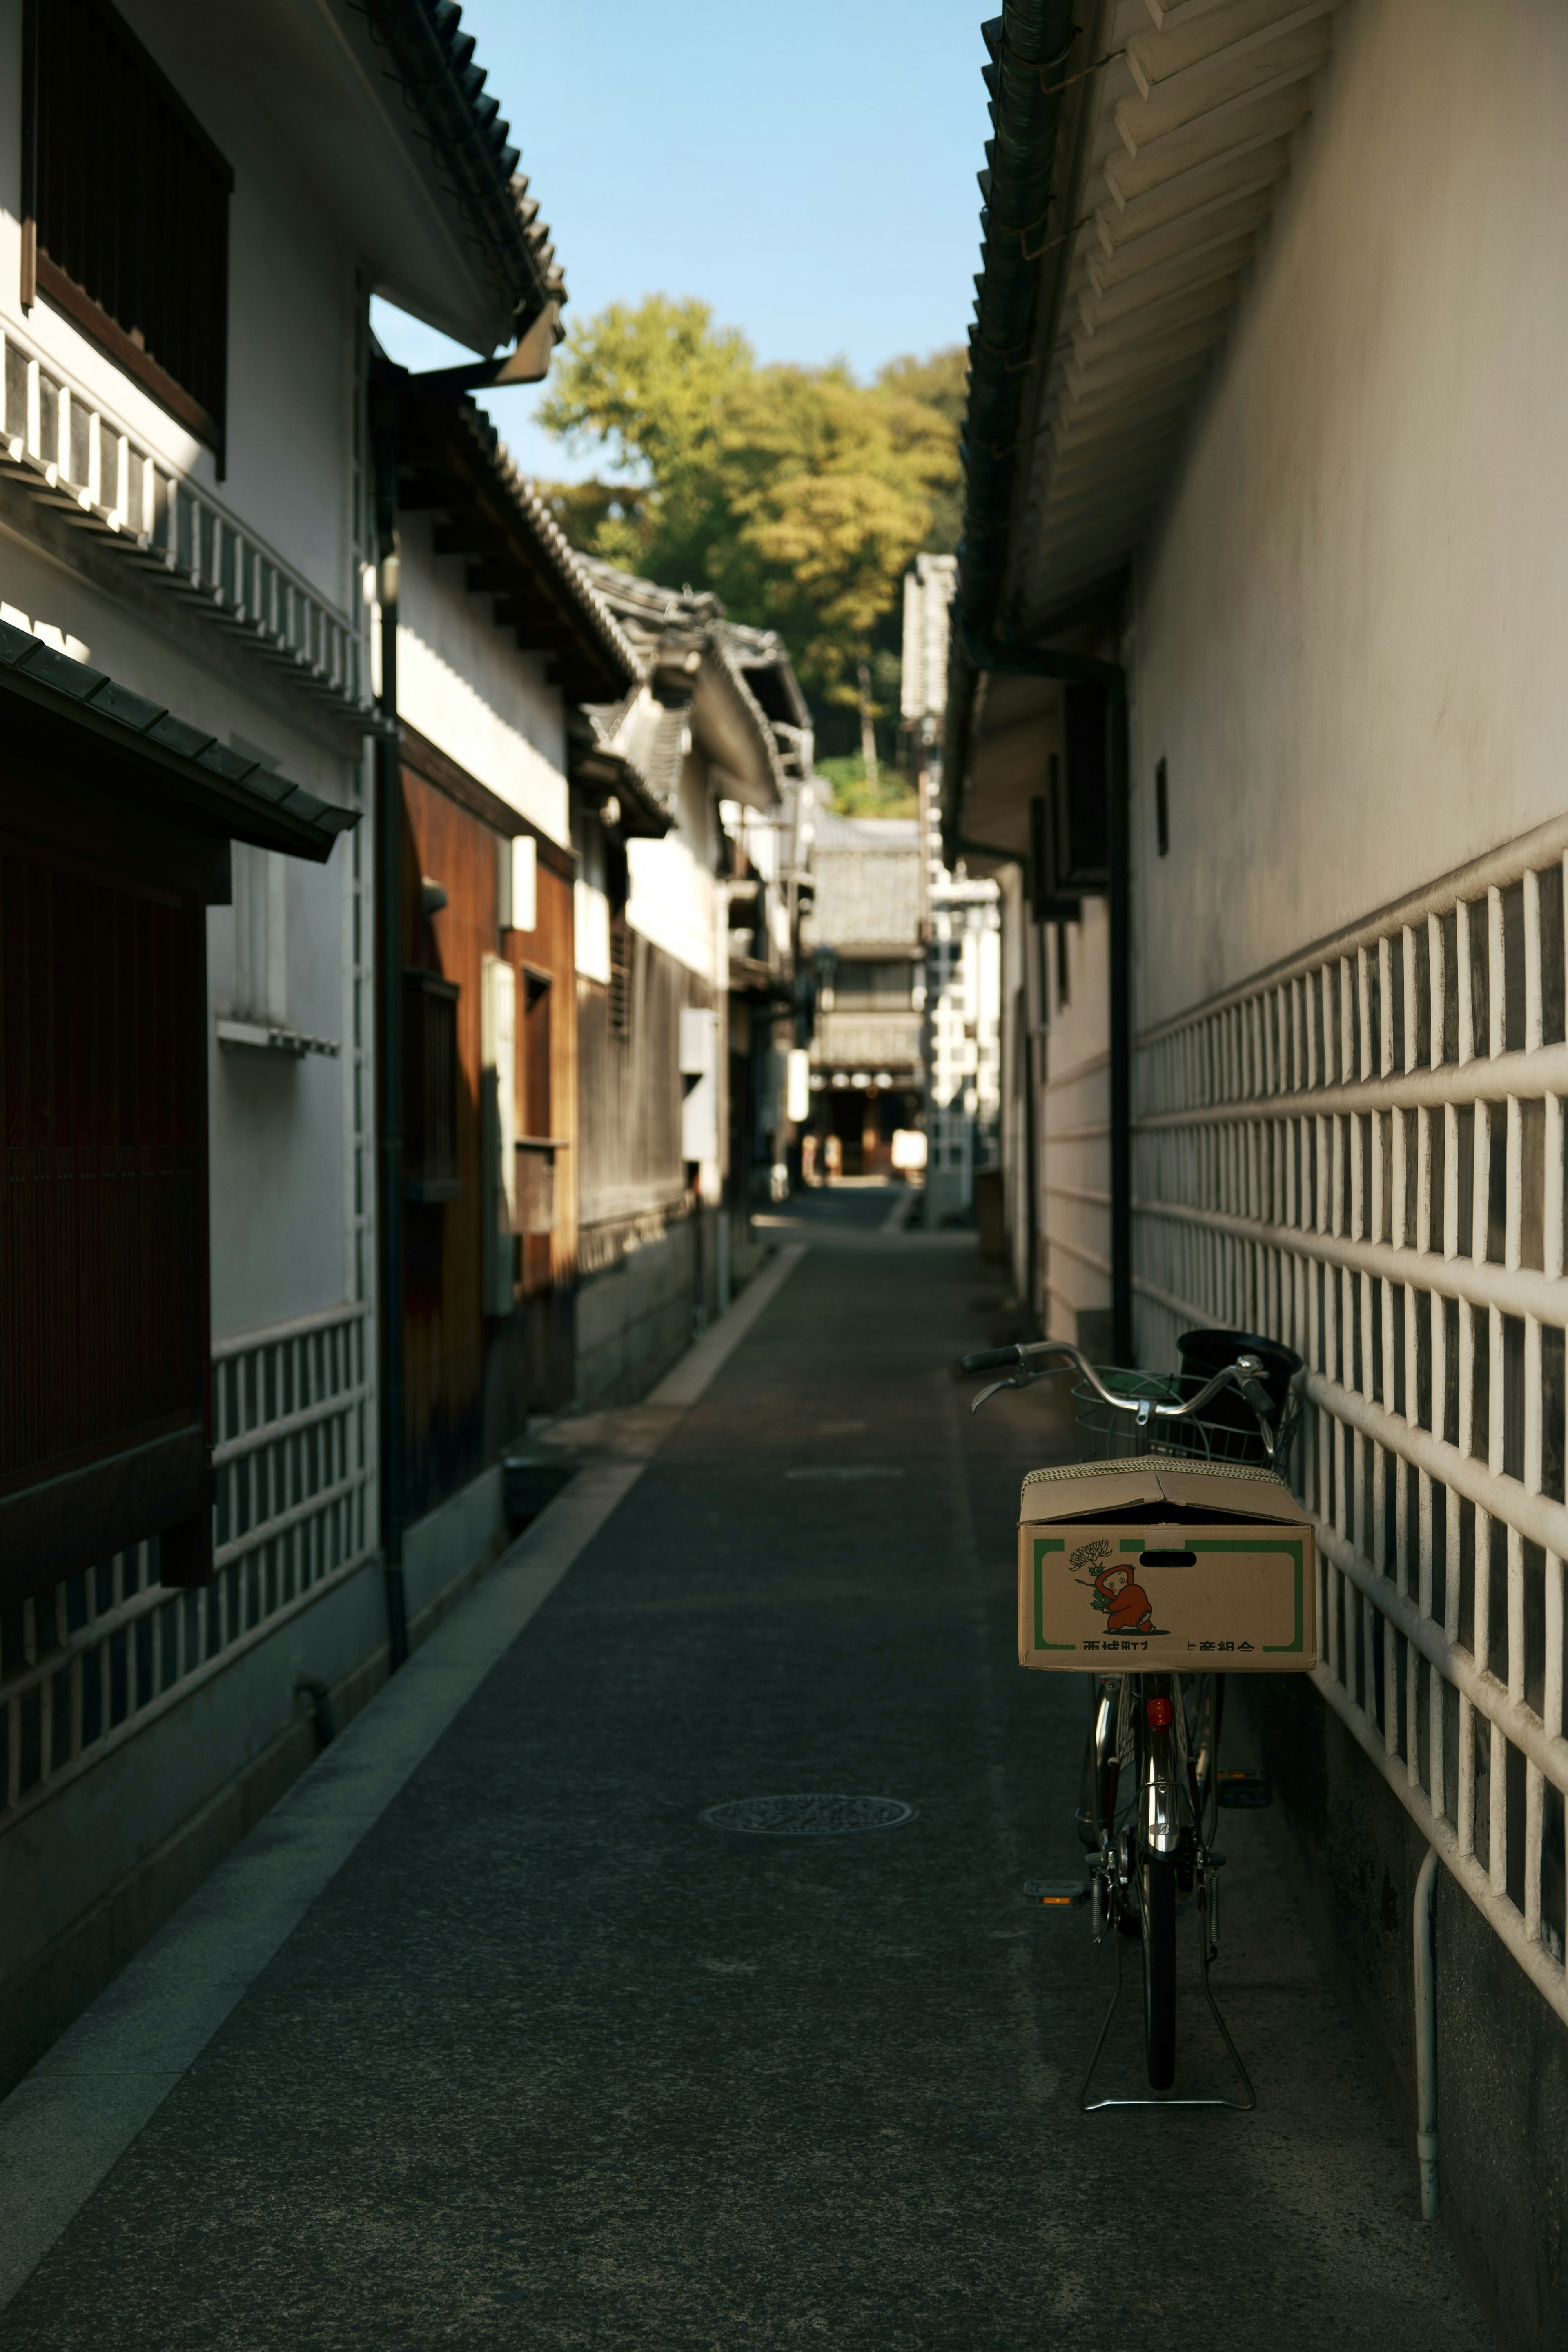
column 797, row 494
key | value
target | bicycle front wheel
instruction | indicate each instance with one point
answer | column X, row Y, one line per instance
column 1157, row 1878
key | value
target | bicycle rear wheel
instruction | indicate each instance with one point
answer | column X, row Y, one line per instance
column 1157, row 1885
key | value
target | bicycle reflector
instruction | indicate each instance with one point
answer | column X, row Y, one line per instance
column 1161, row 1713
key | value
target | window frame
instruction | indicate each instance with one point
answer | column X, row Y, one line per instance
column 431, row 1158
column 41, row 274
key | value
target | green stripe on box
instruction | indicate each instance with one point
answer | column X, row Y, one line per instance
column 1043, row 1544
column 1291, row 1547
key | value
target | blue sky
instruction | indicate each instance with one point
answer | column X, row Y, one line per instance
column 808, row 170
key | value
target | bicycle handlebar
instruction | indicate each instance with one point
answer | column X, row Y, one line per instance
column 1242, row 1374
column 989, row 1360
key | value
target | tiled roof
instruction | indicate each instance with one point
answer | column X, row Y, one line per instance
column 875, row 833
column 451, row 459
column 867, row 872
column 675, row 631
column 433, row 57
column 216, row 787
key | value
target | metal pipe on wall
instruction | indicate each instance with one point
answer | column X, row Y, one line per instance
column 1118, row 860
column 389, row 1040
column 1425, row 2036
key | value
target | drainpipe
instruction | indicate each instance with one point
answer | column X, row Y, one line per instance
column 1425, row 2037
column 1053, row 661
column 389, row 1033
column 1120, row 894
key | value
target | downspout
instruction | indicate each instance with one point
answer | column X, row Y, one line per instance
column 1033, row 1320
column 389, row 1033
column 1120, row 895
column 1425, row 2036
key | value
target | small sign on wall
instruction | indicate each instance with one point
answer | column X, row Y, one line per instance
column 517, row 883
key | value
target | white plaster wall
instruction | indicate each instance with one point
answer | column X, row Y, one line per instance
column 1349, row 627
column 277, row 1124
column 463, row 682
column 673, row 898
column 1016, row 989
column 1074, row 1125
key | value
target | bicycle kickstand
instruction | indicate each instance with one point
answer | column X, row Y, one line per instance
column 1163, row 2098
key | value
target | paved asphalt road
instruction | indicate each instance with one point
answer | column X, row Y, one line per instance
column 551, row 2064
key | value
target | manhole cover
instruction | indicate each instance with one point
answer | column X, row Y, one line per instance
column 807, row 1816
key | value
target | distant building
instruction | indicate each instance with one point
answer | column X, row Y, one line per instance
column 862, row 936
column 961, row 927
column 682, row 795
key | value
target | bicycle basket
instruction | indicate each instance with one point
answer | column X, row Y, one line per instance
column 1106, row 1435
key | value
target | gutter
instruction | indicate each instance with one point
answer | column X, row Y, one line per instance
column 389, row 1037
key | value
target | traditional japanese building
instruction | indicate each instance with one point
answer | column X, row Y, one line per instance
column 199, row 1550
column 683, row 800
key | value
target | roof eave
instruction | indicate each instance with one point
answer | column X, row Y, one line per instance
column 452, row 459
column 190, row 776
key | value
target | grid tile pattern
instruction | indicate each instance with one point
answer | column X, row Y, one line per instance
column 1362, row 1154
column 86, row 1665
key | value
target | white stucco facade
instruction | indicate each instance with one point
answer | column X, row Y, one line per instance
column 675, row 899
column 1349, row 625
column 1346, row 625
column 463, row 683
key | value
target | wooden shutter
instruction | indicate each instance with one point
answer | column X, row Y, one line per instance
column 104, row 1220
column 125, row 204
column 430, row 1082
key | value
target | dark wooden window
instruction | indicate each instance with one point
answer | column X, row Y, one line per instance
column 431, row 1082
column 874, row 987
column 103, row 1231
column 535, row 1167
column 536, row 1096
column 621, row 970
column 1076, row 837
column 125, row 207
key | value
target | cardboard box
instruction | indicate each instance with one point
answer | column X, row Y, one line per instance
column 1158, row 1564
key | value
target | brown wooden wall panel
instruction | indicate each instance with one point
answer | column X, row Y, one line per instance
column 631, row 1089
column 551, row 948
column 470, row 1379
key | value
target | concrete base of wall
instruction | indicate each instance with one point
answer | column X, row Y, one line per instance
column 1503, row 2054
column 634, row 1320
column 55, row 1983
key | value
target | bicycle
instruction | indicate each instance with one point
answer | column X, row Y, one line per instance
column 1152, row 1788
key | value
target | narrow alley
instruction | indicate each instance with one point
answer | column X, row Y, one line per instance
column 550, row 2060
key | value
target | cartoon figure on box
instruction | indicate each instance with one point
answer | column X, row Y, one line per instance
column 1113, row 1590
column 1126, row 1603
